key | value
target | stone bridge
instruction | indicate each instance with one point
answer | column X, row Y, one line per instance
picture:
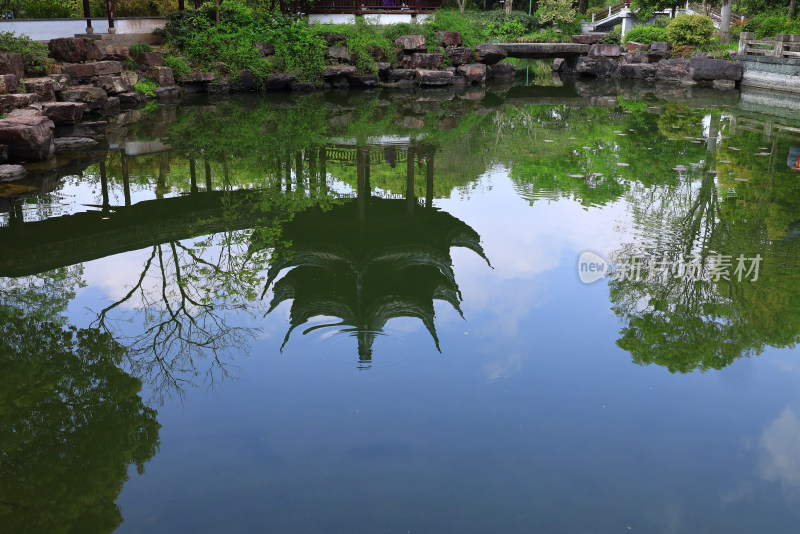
column 544, row 50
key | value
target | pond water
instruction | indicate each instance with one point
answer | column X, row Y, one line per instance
column 365, row 312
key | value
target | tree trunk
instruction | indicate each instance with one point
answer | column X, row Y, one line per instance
column 725, row 23
column 461, row 5
column 216, row 4
column 792, row 9
column 509, row 6
column 583, row 5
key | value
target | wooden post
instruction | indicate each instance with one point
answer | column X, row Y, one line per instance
column 110, row 4
column 87, row 12
column 743, row 38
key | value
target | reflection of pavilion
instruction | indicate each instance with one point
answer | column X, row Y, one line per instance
column 370, row 260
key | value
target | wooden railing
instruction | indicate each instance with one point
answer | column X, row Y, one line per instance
column 619, row 7
column 784, row 45
column 410, row 7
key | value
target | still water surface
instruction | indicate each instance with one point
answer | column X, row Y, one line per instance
column 361, row 312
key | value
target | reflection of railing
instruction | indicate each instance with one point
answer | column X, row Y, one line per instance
column 783, row 46
column 375, row 6
column 376, row 156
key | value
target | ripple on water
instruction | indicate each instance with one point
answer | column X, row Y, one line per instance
column 348, row 347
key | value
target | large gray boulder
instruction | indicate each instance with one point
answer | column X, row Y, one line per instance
column 11, row 63
column 94, row 97
column 637, row 70
column 44, row 87
column 605, row 50
column 411, row 43
column 163, row 76
column 28, row 138
column 704, row 69
column 448, row 39
column 489, row 54
column 501, row 71
column 14, row 101
column 280, row 81
column 459, row 55
column 473, row 73
column 433, row 78
column 673, row 69
column 339, row 70
column 74, row 50
column 8, row 83
column 64, row 112
column 598, row 66
column 425, row 61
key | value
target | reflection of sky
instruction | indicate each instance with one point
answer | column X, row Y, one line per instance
column 779, row 451
column 531, row 419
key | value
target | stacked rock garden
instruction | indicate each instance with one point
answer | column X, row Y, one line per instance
column 653, row 62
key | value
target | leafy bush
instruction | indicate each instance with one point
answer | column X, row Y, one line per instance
column 471, row 31
column 662, row 21
column 34, row 54
column 180, row 68
column 646, row 34
column 571, row 28
column 690, row 30
column 46, row 9
column 555, row 11
column 146, row 87
column 598, row 12
column 298, row 49
column 139, row 48
column 497, row 25
column 766, row 26
column 508, row 30
column 144, row 8
column 545, row 36
column 233, row 42
column 612, row 37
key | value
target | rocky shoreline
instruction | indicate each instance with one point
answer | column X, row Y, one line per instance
column 43, row 115
column 652, row 61
column 47, row 114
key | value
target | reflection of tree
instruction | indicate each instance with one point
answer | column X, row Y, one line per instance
column 191, row 297
column 186, row 331
column 70, row 420
column 366, row 264
column 685, row 323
